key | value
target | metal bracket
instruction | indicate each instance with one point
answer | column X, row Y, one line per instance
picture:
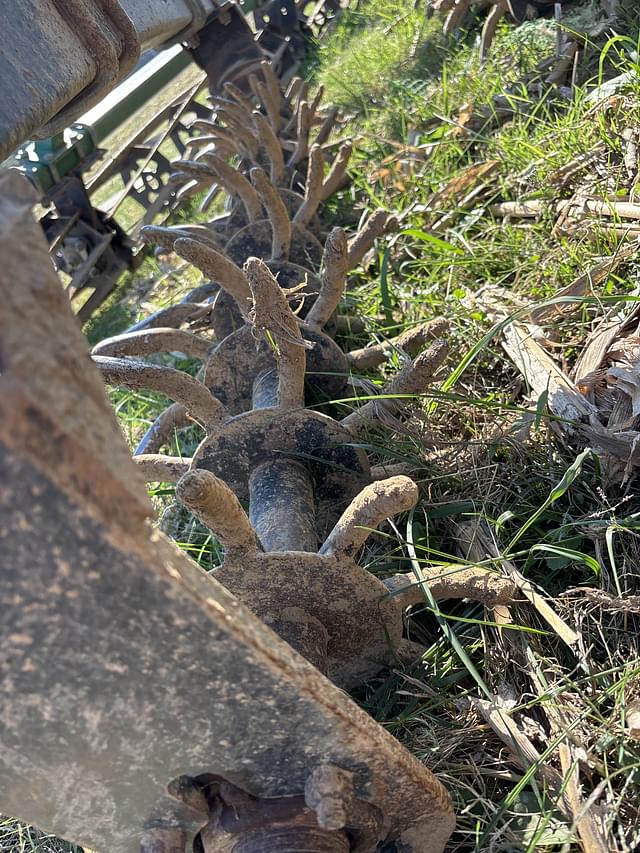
column 227, row 49
column 85, row 243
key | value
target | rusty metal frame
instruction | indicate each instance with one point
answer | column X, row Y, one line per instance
column 123, row 666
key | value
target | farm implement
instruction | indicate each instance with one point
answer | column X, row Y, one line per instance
column 147, row 704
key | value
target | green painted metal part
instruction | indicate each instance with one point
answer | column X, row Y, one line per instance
column 134, row 92
column 45, row 162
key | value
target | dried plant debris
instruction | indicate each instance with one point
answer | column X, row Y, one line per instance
column 455, row 12
column 598, row 403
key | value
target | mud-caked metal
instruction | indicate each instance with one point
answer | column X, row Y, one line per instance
column 125, row 668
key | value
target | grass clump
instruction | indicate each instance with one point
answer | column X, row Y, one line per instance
column 443, row 142
column 18, row 837
column 373, row 47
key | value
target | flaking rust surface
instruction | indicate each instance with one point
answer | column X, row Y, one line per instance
column 326, row 588
column 45, row 371
column 122, row 664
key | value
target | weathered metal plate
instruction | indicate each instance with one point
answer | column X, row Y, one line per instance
column 122, row 664
column 65, row 64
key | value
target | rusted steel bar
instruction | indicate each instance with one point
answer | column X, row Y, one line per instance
column 282, row 507
column 336, row 175
column 333, row 279
column 163, row 469
column 148, row 342
column 410, row 342
column 180, row 387
column 412, row 380
column 376, row 225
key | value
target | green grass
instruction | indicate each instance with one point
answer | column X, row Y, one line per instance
column 483, row 453
column 17, row 837
column 472, row 459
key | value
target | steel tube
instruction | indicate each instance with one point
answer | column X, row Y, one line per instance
column 157, row 23
column 48, row 60
column 281, row 500
column 265, row 390
column 282, row 507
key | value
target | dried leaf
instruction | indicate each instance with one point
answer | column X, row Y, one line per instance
column 628, row 381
